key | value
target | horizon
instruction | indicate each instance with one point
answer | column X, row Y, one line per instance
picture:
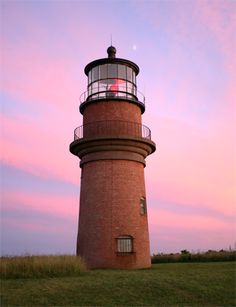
column 186, row 55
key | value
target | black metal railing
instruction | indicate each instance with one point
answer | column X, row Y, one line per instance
column 120, row 93
column 114, row 128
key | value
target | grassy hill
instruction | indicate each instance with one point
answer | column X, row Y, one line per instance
column 170, row 284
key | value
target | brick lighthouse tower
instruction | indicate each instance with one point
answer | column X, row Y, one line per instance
column 112, row 144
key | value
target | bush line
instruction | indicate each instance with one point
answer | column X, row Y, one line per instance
column 186, row 256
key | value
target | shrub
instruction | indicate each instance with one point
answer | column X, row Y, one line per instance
column 185, row 256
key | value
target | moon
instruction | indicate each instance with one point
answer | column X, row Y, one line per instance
column 134, row 47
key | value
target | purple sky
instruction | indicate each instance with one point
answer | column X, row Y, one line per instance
column 186, row 54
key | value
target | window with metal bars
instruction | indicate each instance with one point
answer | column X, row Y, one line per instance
column 124, row 244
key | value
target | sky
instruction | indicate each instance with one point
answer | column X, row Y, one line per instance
column 186, row 54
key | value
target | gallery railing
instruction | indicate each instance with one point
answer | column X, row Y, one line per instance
column 112, row 128
column 120, row 93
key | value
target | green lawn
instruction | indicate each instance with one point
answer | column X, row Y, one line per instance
column 179, row 284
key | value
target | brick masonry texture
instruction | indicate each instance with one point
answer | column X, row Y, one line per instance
column 110, row 207
column 112, row 110
column 112, row 184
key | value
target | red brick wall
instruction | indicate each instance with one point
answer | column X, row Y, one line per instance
column 111, row 110
column 110, row 207
column 111, row 191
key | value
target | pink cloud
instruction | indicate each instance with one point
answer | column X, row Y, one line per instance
column 190, row 167
column 33, row 71
column 59, row 206
column 39, row 149
column 199, row 70
column 27, row 225
column 172, row 232
column 161, row 219
column 219, row 17
column 34, row 76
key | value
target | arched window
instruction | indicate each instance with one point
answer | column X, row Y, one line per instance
column 125, row 244
column 143, row 206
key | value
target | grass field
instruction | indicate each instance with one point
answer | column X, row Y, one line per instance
column 171, row 284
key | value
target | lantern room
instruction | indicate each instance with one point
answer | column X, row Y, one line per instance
column 112, row 78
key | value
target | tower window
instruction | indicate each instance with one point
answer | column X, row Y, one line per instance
column 95, row 73
column 112, row 71
column 143, row 206
column 121, row 71
column 103, row 71
column 129, row 74
column 125, row 244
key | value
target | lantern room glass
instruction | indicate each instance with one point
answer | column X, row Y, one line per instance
column 112, row 80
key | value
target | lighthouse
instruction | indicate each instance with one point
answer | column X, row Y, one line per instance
column 112, row 145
